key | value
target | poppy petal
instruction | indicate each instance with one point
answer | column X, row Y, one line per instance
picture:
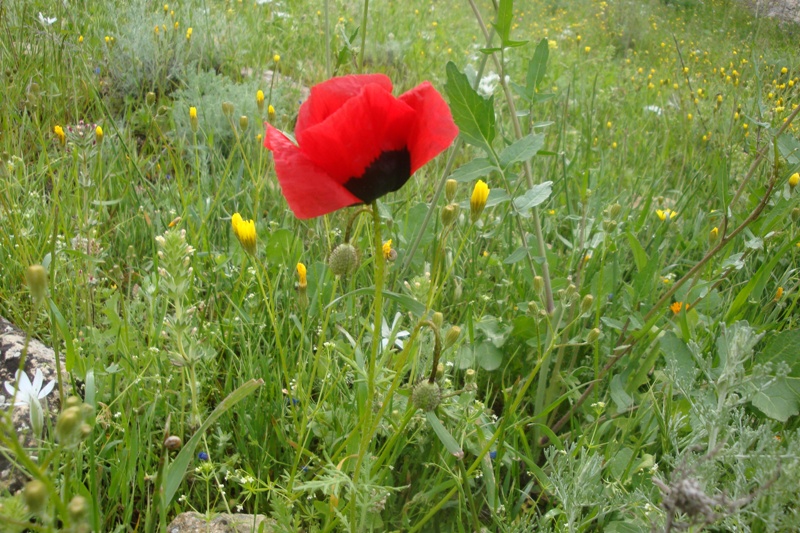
column 327, row 97
column 363, row 145
column 309, row 191
column 434, row 129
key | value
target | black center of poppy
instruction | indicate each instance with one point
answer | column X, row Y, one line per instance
column 386, row 174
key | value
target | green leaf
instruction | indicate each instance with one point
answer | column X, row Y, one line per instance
column 176, row 470
column 516, row 256
column 619, row 395
column 505, row 15
column 533, row 197
column 779, row 399
column 676, row 351
column 639, row 255
column 447, row 439
column 473, row 114
column 522, row 150
column 757, row 282
column 477, row 168
column 488, row 356
column 789, row 148
column 783, row 347
column 537, row 66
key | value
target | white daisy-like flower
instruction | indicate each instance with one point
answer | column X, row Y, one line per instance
column 388, row 334
column 28, row 392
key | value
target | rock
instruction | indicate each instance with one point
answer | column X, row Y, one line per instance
column 40, row 357
column 221, row 523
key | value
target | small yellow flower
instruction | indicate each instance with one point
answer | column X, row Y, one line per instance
column 260, row 100
column 245, row 231
column 177, row 24
column 689, row 116
column 107, row 39
column 98, row 134
column 778, row 294
column 784, row 70
column 271, row 113
column 301, row 275
column 166, row 8
column 80, row 38
column 587, row 49
column 794, row 179
column 477, row 201
column 193, row 118
column 276, row 58
column 59, row 131
column 676, row 307
column 712, row 236
column 188, row 33
column 387, row 249
column 666, row 214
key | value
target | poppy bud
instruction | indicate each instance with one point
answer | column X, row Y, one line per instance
column 477, row 201
column 538, row 283
column 587, row 303
column 343, row 260
column 449, row 214
column 150, row 98
column 34, row 494
column 593, row 335
column 172, row 443
column 36, row 277
column 438, row 319
column 193, row 118
column 451, row 336
column 227, row 109
column 260, row 100
column 450, row 188
column 426, row 396
column 243, row 122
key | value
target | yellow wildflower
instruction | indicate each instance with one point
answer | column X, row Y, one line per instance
column 666, row 214
column 193, row 118
column 276, row 58
column 712, row 236
column 271, row 113
column 778, row 294
column 188, row 33
column 387, row 249
column 676, row 307
column 98, row 134
column 301, row 275
column 59, row 131
column 794, row 179
column 260, row 100
column 245, row 231
column 80, row 38
column 478, row 200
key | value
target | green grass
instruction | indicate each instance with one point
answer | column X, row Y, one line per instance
column 551, row 419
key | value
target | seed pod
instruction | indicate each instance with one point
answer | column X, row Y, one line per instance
column 173, row 443
column 227, row 109
column 426, row 396
column 37, row 282
column 343, row 260
column 35, row 496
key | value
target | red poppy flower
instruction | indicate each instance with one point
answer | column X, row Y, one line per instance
column 357, row 142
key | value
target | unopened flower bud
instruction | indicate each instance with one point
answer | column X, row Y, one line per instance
column 450, row 189
column 538, row 283
column 68, row 426
column 73, row 401
column 193, row 118
column 593, row 335
column 614, row 210
column 98, row 135
column 452, row 336
column 271, row 114
column 260, row 100
column 77, row 508
column 426, row 396
column 35, row 496
column 470, row 376
column 343, row 260
column 713, row 234
column 571, row 289
column 609, row 225
column 36, row 277
column 587, row 303
column 449, row 214
column 150, row 98
column 477, row 202
column 243, row 122
column 438, row 319
column 796, row 214
column 440, row 371
column 227, row 109
column 533, row 307
column 794, row 179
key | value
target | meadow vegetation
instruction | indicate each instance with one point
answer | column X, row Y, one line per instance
column 607, row 342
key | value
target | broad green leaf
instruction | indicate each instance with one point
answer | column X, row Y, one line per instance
column 783, row 347
column 176, row 470
column 447, row 439
column 516, row 256
column 537, row 66
column 533, row 197
column 676, row 351
column 619, row 462
column 789, row 148
column 779, row 399
column 639, row 255
column 522, row 150
column 505, row 15
column 477, row 168
column 473, row 114
column 488, row 356
column 619, row 395
column 755, row 286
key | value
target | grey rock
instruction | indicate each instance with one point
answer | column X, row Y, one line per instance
column 221, row 523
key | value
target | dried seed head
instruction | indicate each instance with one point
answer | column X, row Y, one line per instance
column 426, row 396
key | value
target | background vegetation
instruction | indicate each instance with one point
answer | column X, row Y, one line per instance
column 652, row 144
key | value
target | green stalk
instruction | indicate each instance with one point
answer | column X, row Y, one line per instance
column 363, row 37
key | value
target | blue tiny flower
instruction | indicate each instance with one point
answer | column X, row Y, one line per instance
column 97, row 70
column 493, row 454
column 203, row 456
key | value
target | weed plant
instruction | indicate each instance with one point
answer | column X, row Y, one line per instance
column 606, row 343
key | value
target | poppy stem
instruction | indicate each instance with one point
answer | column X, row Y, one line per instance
column 353, row 217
